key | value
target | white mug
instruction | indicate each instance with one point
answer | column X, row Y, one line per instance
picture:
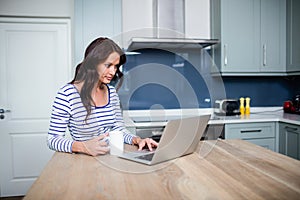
column 116, row 142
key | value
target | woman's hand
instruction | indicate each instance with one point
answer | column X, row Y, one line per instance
column 93, row 147
column 150, row 143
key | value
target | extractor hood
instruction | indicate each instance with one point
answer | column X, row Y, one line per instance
column 169, row 43
column 168, row 29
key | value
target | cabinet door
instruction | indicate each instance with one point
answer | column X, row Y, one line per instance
column 262, row 134
column 240, row 35
column 95, row 18
column 137, row 20
column 293, row 32
column 289, row 140
column 250, row 130
column 196, row 19
column 273, row 36
column 268, row 143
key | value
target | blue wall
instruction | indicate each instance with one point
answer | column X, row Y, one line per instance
column 184, row 81
column 264, row 91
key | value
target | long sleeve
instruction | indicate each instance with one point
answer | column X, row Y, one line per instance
column 58, row 124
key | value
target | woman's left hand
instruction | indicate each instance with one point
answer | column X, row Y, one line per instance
column 150, row 143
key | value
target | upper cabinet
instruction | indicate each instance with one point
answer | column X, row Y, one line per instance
column 197, row 19
column 137, row 20
column 293, row 32
column 93, row 19
column 252, row 36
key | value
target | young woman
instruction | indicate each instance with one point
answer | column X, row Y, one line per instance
column 89, row 106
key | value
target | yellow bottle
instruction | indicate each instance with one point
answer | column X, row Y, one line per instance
column 242, row 108
column 247, row 106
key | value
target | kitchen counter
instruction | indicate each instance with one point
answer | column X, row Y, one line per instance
column 258, row 114
column 219, row 169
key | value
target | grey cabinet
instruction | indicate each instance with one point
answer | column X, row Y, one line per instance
column 261, row 133
column 93, row 19
column 289, row 140
column 293, row 32
column 252, row 35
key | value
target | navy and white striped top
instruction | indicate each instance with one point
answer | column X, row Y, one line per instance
column 68, row 111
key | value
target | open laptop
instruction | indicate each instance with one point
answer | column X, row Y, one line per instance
column 180, row 137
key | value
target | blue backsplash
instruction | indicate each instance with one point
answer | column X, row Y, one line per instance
column 157, row 79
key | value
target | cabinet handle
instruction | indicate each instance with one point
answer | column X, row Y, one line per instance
column 264, row 55
column 290, row 128
column 225, row 54
column 251, row 131
column 4, row 111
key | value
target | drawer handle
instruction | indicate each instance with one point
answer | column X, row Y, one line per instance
column 290, row 128
column 251, row 131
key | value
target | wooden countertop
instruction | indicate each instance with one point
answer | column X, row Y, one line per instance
column 219, row 169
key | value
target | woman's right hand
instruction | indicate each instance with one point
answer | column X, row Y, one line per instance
column 94, row 147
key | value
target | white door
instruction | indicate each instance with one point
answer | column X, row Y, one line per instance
column 34, row 63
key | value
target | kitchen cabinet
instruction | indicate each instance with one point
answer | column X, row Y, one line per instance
column 252, row 35
column 289, row 140
column 293, row 32
column 137, row 20
column 261, row 133
column 197, row 19
column 93, row 19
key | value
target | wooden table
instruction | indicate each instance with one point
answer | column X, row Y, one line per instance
column 219, row 169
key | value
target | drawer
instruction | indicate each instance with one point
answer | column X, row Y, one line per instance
column 268, row 143
column 250, row 130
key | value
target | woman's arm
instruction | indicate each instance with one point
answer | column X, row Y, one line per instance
column 59, row 122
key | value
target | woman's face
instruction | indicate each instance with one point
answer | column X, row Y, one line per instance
column 107, row 70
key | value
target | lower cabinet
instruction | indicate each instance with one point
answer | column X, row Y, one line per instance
column 262, row 133
column 289, row 140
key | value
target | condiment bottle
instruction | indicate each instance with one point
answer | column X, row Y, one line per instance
column 247, row 106
column 242, row 108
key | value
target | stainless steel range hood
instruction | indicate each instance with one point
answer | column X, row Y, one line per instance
column 168, row 29
column 169, row 43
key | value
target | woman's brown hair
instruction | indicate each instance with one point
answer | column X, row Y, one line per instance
column 97, row 52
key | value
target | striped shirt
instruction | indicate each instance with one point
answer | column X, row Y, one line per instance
column 68, row 111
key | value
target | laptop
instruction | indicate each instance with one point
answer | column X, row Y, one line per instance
column 180, row 137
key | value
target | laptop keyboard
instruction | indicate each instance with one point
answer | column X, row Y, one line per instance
column 146, row 157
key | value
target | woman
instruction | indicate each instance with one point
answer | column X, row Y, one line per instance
column 89, row 106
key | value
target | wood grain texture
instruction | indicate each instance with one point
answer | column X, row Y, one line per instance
column 221, row 169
